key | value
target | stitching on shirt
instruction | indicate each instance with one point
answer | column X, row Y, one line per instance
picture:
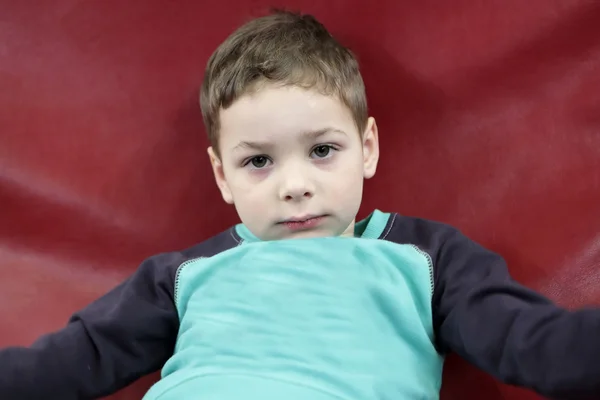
column 234, row 238
column 389, row 227
column 429, row 265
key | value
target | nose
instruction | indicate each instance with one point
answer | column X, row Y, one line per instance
column 296, row 185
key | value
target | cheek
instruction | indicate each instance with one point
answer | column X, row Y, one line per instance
column 251, row 208
column 248, row 194
column 348, row 183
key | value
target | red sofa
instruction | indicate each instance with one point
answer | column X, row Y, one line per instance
column 489, row 117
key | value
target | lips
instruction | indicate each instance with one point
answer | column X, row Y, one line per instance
column 304, row 218
column 302, row 223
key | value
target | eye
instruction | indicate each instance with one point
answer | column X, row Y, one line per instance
column 258, row 162
column 322, row 151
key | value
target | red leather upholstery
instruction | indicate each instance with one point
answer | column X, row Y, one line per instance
column 489, row 117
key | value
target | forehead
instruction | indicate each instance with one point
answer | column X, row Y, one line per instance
column 273, row 113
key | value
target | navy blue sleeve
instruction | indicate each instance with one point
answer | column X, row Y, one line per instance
column 127, row 333
column 508, row 330
column 504, row 328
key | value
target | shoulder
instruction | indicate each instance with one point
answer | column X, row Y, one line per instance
column 429, row 235
column 214, row 245
column 454, row 256
column 165, row 265
column 444, row 243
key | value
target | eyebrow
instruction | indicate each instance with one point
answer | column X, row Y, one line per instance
column 306, row 135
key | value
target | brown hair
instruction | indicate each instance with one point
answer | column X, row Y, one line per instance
column 283, row 48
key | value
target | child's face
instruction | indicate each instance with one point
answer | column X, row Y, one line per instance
column 293, row 163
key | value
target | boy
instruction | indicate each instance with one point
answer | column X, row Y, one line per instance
column 299, row 301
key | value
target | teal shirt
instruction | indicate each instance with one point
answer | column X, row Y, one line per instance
column 320, row 318
column 363, row 318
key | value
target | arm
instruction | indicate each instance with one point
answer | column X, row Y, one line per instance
column 508, row 330
column 127, row 333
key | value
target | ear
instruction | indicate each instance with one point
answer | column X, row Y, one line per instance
column 217, row 167
column 370, row 149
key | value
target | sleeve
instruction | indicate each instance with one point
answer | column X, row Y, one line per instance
column 125, row 334
column 510, row 331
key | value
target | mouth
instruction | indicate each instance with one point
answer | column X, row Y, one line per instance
column 303, row 222
column 302, row 218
